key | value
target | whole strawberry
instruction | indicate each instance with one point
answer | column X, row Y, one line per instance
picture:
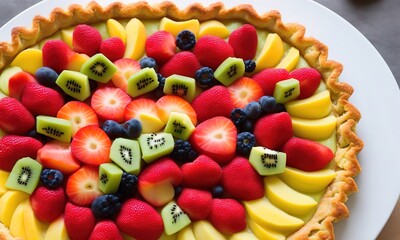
column 86, row 39
column 211, row 51
column 195, row 203
column 269, row 77
column 244, row 41
column 105, row 230
column 227, row 216
column 160, row 46
column 48, row 204
column 40, row 100
column 14, row 117
column 113, row 48
column 57, row 55
column 309, row 79
column 79, row 221
column 183, row 63
column 12, row 148
column 202, row 173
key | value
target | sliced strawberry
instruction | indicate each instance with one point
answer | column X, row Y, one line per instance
column 57, row 55
column 170, row 103
column 48, row 204
column 105, row 229
column 274, row 130
column 113, row 48
column 244, row 91
column 79, row 221
column 211, row 51
column 14, row 117
column 83, row 185
column 195, row 203
column 216, row 138
column 140, row 106
column 86, row 39
column 109, row 103
column 309, row 79
column 202, row 173
column 17, row 83
column 58, row 155
column 160, row 46
column 91, row 145
column 307, row 155
column 269, row 77
column 79, row 114
column 244, row 41
column 126, row 68
column 228, row 216
column 183, row 63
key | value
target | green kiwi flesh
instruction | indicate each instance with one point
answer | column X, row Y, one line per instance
column 286, row 90
column 99, row 68
column 109, row 177
column 179, row 125
column 266, row 161
column 155, row 145
column 25, row 175
column 75, row 84
column 126, row 154
column 174, row 218
column 230, row 70
column 142, row 82
column 57, row 128
column 181, row 86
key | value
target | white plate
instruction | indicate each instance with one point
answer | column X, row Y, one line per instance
column 376, row 95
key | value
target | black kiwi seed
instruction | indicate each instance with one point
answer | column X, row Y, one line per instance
column 104, row 178
column 289, row 92
column 175, row 215
column 154, row 142
column 24, row 176
column 178, row 127
column 73, row 86
column 122, row 152
column 269, row 160
column 99, row 68
column 143, row 83
column 53, row 132
column 179, row 89
column 232, row 71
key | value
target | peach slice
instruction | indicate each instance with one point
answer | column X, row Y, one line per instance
column 314, row 107
column 57, row 230
column 29, row 60
column 17, row 226
column 314, row 129
column 135, row 39
column 8, row 203
column 215, row 28
column 175, row 27
column 205, row 230
column 116, row 29
column 289, row 62
column 271, row 53
column 264, row 233
column 33, row 226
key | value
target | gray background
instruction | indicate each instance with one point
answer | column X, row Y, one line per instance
column 378, row 20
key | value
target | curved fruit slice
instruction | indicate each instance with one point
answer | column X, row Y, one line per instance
column 17, row 226
column 215, row 28
column 33, row 226
column 66, row 35
column 289, row 62
column 135, row 39
column 115, row 29
column 314, row 107
column 5, row 77
column 264, row 233
column 57, row 230
column 79, row 114
column 243, row 236
column 175, row 27
column 271, row 53
column 169, row 103
column 287, row 199
column 204, row 230
column 3, row 179
column 186, row 234
column 29, row 60
column 307, row 182
column 146, row 111
column 264, row 213
column 314, row 129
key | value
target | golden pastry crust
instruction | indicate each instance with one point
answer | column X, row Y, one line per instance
column 332, row 206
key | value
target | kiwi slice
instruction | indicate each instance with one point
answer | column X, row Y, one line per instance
column 174, row 218
column 57, row 128
column 179, row 125
column 109, row 177
column 266, row 161
column 286, row 90
column 184, row 87
column 142, row 82
column 230, row 70
column 126, row 154
column 155, row 145
column 75, row 84
column 25, row 175
column 99, row 68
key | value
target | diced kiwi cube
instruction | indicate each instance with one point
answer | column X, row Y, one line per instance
column 174, row 218
column 155, row 145
column 99, row 68
column 230, row 70
column 109, row 177
column 25, row 175
column 286, row 90
column 142, row 82
column 57, row 128
column 179, row 125
column 266, row 161
column 126, row 154
column 75, row 84
column 181, row 86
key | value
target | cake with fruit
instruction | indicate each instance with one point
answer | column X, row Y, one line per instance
column 139, row 121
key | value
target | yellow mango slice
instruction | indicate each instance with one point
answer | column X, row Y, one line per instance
column 243, row 236
column 8, row 203
column 314, row 129
column 307, row 182
column 77, row 60
column 57, row 230
column 17, row 226
column 35, row 228
column 150, row 123
column 186, row 234
column 289, row 62
column 215, row 28
column 286, row 198
column 175, row 27
column 3, row 179
column 264, row 233
column 314, row 107
column 29, row 60
column 115, row 29
column 66, row 35
column 265, row 214
column 135, row 39
column 271, row 54
column 204, row 230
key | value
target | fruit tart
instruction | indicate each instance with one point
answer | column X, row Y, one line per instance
column 139, row 121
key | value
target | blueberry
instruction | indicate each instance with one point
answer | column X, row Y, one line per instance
column 267, row 104
column 159, row 91
column 247, row 126
column 178, row 191
column 245, row 142
column 279, row 108
column 238, row 116
column 106, row 206
column 128, row 186
column 253, row 110
column 46, row 77
column 113, row 129
column 51, row 178
column 250, row 66
column 148, row 62
column 185, row 40
column 92, row 85
column 217, row 191
column 34, row 134
column 132, row 128
column 205, row 77
column 183, row 152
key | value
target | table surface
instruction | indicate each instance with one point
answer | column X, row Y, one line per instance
column 378, row 20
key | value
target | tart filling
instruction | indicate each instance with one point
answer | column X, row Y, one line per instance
column 298, row 158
